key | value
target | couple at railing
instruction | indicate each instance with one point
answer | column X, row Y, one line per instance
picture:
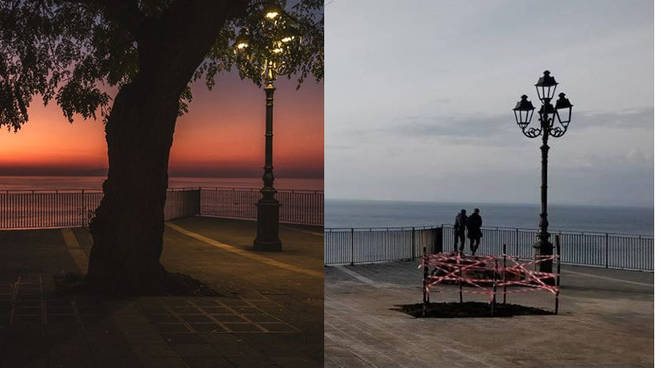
column 473, row 225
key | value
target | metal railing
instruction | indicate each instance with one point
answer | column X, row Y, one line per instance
column 74, row 208
column 371, row 245
column 296, row 206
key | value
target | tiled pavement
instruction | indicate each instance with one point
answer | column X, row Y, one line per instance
column 213, row 315
column 605, row 320
column 271, row 319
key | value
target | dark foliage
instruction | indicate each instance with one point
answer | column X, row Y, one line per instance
column 76, row 51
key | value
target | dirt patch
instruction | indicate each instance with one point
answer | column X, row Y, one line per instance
column 468, row 310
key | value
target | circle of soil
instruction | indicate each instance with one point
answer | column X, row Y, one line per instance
column 468, row 310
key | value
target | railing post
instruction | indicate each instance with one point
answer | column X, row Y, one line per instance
column 84, row 209
column 352, row 248
column 198, row 210
column 425, row 294
column 412, row 244
column 439, row 248
column 517, row 254
column 639, row 243
column 493, row 301
column 504, row 273
column 607, row 250
column 558, row 275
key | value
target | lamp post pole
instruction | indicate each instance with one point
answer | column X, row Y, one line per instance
column 268, row 219
column 273, row 35
column 544, row 245
column 548, row 114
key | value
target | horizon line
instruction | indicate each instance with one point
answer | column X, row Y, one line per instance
column 488, row 202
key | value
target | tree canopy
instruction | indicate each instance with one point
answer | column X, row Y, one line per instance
column 74, row 51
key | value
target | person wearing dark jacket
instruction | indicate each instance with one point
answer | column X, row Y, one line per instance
column 473, row 225
column 459, row 230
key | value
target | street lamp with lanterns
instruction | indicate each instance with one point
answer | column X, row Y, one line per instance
column 553, row 121
column 267, row 48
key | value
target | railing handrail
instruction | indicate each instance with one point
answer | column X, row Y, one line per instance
column 561, row 231
column 382, row 228
column 495, row 228
column 78, row 190
column 258, row 189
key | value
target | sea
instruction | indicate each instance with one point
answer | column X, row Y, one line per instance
column 96, row 182
column 341, row 213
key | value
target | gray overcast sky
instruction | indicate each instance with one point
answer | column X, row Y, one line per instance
column 418, row 99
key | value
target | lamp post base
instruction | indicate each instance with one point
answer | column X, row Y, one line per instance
column 544, row 248
column 268, row 226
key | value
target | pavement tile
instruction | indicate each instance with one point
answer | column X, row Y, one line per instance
column 161, row 317
column 242, row 327
column 260, row 317
column 195, row 350
column 207, row 362
column 158, row 331
column 195, row 318
column 207, row 328
column 227, row 318
column 204, row 302
column 215, row 309
column 172, row 328
column 277, row 327
column 183, row 338
column 187, row 309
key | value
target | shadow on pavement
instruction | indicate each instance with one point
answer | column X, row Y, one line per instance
column 467, row 310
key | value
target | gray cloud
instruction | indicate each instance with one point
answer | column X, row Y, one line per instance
column 498, row 129
column 447, row 126
column 640, row 118
column 422, row 106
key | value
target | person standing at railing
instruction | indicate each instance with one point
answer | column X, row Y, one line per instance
column 459, row 230
column 474, row 230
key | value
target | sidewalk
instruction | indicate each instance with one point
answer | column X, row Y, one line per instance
column 269, row 312
column 605, row 320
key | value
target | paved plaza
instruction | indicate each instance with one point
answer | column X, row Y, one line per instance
column 605, row 320
column 269, row 312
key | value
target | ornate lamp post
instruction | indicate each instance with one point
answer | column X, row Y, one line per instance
column 274, row 39
column 549, row 115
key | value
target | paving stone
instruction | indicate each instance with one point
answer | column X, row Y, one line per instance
column 363, row 328
column 162, row 331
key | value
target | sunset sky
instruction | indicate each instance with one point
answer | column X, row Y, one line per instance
column 221, row 136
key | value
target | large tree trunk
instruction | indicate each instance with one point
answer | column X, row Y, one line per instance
column 128, row 227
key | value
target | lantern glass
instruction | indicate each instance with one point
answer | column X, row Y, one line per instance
column 546, row 86
column 549, row 111
column 564, row 109
column 289, row 32
column 546, row 92
column 523, row 117
column 272, row 10
column 242, row 41
column 523, row 112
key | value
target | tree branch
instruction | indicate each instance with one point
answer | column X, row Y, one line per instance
column 184, row 32
column 123, row 13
